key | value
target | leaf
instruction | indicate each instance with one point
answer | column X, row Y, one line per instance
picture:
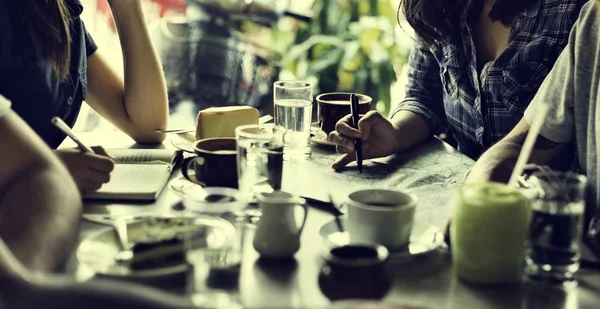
column 301, row 49
column 330, row 60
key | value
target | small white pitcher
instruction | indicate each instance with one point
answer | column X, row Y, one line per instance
column 278, row 234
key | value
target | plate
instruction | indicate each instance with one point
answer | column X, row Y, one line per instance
column 424, row 239
column 98, row 251
column 317, row 136
column 199, row 199
column 183, row 141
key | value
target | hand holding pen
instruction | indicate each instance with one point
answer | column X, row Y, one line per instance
column 377, row 134
column 90, row 167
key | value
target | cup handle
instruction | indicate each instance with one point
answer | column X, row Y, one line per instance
column 302, row 203
column 185, row 166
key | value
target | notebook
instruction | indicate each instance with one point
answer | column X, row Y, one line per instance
column 139, row 174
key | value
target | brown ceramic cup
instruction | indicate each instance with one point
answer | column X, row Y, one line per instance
column 335, row 105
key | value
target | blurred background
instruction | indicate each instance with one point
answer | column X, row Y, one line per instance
column 229, row 52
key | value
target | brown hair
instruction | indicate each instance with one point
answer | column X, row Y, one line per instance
column 48, row 23
column 438, row 20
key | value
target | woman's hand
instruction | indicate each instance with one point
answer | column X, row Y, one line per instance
column 89, row 170
column 377, row 133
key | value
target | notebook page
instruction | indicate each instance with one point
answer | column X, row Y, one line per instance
column 132, row 156
column 134, row 181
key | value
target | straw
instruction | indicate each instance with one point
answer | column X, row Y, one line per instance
column 536, row 126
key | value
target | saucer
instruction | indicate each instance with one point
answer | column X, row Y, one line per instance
column 199, row 199
column 183, row 141
column 424, row 239
column 319, row 137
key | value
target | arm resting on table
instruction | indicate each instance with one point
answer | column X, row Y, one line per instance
column 498, row 162
column 421, row 114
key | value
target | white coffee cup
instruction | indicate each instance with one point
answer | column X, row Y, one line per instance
column 381, row 216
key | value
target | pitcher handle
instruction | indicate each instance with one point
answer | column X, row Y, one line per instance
column 302, row 203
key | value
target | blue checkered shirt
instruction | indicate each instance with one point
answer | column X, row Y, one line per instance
column 480, row 107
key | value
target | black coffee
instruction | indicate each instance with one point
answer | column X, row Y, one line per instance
column 383, row 204
column 354, row 252
column 553, row 238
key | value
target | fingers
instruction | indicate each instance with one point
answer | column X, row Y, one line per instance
column 342, row 161
column 99, row 150
column 368, row 122
column 344, row 127
column 343, row 143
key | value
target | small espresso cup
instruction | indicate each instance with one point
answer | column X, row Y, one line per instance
column 214, row 163
column 336, row 105
column 381, row 216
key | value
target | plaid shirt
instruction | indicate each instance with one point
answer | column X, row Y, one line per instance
column 479, row 108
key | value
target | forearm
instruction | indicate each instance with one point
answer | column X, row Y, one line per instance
column 39, row 216
column 145, row 93
column 64, row 292
column 496, row 164
column 411, row 129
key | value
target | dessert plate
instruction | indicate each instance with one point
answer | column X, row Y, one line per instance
column 424, row 239
column 98, row 252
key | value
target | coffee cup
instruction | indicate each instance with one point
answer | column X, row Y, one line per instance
column 381, row 216
column 214, row 164
column 355, row 271
column 335, row 105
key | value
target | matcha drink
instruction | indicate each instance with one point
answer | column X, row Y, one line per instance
column 488, row 232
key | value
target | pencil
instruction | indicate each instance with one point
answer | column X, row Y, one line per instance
column 61, row 125
column 354, row 110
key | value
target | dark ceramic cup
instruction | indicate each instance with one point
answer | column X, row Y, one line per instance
column 355, row 271
column 336, row 105
column 215, row 163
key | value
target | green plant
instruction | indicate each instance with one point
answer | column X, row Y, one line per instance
column 351, row 45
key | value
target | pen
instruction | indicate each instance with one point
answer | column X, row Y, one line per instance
column 61, row 125
column 358, row 141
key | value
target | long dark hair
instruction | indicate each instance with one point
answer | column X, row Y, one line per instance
column 48, row 23
column 434, row 20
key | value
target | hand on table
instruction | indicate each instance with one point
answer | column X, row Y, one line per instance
column 89, row 170
column 377, row 133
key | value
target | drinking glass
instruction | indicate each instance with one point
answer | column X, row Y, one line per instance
column 558, row 204
column 293, row 111
column 214, row 279
column 259, row 158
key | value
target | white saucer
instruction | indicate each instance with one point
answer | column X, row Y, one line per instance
column 183, row 141
column 424, row 239
column 317, row 136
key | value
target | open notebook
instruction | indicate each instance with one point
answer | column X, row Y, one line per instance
column 139, row 174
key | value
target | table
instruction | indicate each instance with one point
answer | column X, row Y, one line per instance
column 432, row 172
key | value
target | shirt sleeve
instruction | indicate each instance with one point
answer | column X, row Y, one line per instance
column 557, row 92
column 424, row 94
column 90, row 44
column 4, row 106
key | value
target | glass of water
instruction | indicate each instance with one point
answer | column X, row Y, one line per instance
column 293, row 111
column 259, row 158
column 553, row 245
column 213, row 281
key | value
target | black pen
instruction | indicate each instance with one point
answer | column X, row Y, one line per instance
column 357, row 142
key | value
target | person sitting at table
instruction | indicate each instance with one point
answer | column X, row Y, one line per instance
column 475, row 66
column 572, row 95
column 49, row 64
column 40, row 206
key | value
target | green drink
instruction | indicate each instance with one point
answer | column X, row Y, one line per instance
column 488, row 233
